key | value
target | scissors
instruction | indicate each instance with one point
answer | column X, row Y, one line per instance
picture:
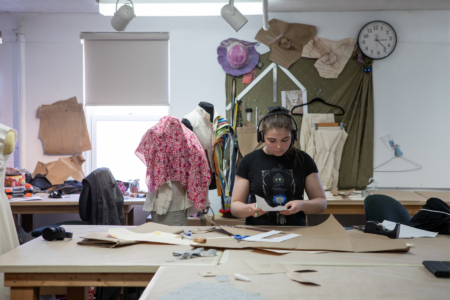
column 239, row 237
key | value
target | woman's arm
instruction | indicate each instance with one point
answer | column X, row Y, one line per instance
column 317, row 202
column 239, row 206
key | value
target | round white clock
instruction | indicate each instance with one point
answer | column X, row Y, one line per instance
column 377, row 40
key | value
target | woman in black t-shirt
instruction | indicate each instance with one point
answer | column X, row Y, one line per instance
column 279, row 173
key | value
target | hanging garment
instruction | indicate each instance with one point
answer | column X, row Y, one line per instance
column 325, row 147
column 101, row 201
column 171, row 152
column 63, row 128
column 205, row 131
column 223, row 154
column 331, row 56
column 308, row 126
column 8, row 234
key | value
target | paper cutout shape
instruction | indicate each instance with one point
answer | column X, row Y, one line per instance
column 155, row 237
column 262, row 204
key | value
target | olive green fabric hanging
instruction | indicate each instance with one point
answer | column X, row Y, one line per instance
column 352, row 90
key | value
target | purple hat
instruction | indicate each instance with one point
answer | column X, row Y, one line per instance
column 237, row 57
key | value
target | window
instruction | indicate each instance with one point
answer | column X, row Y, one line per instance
column 126, row 91
column 116, row 133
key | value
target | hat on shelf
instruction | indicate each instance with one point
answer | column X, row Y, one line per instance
column 237, row 57
column 286, row 41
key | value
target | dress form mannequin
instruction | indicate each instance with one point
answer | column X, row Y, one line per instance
column 208, row 108
column 8, row 233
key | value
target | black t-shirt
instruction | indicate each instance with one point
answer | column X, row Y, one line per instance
column 275, row 179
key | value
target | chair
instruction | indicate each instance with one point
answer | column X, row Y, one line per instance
column 381, row 207
column 101, row 203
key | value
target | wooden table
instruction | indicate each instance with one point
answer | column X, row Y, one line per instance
column 354, row 204
column 444, row 196
column 337, row 283
column 437, row 248
column 66, row 205
column 341, row 275
column 40, row 263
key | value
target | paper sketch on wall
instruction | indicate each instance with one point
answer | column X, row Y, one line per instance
column 290, row 99
column 274, row 68
column 388, row 140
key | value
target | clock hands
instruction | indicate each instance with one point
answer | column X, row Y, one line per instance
column 377, row 40
column 381, row 44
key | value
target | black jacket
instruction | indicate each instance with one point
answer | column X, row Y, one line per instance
column 101, row 202
column 434, row 216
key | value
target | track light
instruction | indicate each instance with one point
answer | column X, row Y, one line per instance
column 265, row 7
column 123, row 16
column 233, row 16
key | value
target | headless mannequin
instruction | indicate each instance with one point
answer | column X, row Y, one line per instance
column 8, row 234
column 209, row 108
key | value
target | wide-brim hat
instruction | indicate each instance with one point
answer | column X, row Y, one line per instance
column 237, row 57
column 286, row 40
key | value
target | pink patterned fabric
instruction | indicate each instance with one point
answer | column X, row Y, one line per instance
column 172, row 152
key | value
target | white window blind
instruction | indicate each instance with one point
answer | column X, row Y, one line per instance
column 126, row 69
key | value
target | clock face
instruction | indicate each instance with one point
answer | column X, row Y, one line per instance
column 377, row 40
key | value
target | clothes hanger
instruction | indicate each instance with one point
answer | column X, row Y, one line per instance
column 399, row 154
column 317, row 99
column 417, row 166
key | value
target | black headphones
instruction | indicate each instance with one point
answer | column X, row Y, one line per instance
column 56, row 233
column 276, row 110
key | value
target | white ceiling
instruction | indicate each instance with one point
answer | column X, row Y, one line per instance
column 91, row 6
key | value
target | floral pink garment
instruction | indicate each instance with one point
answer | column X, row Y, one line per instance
column 172, row 152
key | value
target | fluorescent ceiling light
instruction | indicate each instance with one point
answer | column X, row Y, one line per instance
column 175, row 8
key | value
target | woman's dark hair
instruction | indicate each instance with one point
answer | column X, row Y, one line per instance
column 282, row 122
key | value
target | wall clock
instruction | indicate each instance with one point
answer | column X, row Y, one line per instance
column 377, row 40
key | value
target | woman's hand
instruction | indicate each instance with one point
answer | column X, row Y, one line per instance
column 294, row 207
column 255, row 212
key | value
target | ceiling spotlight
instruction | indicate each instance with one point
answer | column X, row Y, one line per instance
column 123, row 16
column 233, row 16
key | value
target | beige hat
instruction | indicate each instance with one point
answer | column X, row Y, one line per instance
column 286, row 40
column 331, row 56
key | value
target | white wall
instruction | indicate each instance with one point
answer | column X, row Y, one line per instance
column 410, row 86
